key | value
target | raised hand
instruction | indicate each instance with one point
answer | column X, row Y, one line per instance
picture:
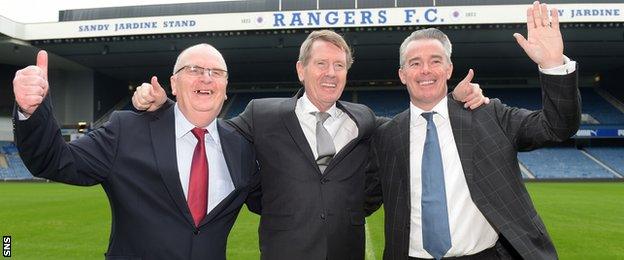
column 30, row 85
column 149, row 97
column 470, row 93
column 544, row 44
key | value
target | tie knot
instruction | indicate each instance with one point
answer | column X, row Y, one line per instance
column 321, row 116
column 428, row 116
column 199, row 133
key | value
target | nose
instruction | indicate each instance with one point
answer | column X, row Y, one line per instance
column 425, row 69
column 206, row 77
column 331, row 71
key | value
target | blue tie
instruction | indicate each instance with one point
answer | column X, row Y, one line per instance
column 435, row 224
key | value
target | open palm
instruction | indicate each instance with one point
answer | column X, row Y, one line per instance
column 544, row 44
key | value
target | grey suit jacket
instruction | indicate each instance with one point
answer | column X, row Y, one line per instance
column 306, row 214
column 133, row 157
column 487, row 140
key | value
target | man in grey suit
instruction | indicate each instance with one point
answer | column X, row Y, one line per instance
column 457, row 191
column 313, row 153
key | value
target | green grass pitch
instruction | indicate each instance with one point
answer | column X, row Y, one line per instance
column 56, row 221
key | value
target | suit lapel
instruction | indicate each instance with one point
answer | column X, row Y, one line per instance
column 231, row 147
column 230, row 144
column 287, row 113
column 363, row 127
column 461, row 123
column 401, row 139
column 162, row 130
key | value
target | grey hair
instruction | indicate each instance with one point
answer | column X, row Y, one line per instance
column 324, row 35
column 426, row 34
column 178, row 63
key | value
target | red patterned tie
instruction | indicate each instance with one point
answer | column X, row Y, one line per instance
column 198, row 182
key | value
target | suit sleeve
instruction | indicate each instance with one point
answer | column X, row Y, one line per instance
column 373, row 191
column 244, row 122
column 558, row 119
column 86, row 161
column 254, row 199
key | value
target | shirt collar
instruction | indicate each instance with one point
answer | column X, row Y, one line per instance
column 183, row 126
column 307, row 107
column 441, row 109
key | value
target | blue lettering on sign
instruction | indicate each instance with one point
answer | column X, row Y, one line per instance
column 431, row 15
column 296, row 19
column 409, row 14
column 179, row 23
column 349, row 17
column 278, row 20
column 594, row 12
column 331, row 18
column 316, row 18
column 382, row 17
column 366, row 17
column 93, row 27
column 135, row 25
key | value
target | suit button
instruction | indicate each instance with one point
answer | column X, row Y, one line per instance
column 196, row 232
column 323, row 216
column 323, row 181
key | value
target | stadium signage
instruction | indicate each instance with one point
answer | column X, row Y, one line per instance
column 136, row 25
column 6, row 246
column 602, row 132
column 420, row 16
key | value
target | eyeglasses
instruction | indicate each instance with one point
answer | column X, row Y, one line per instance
column 197, row 71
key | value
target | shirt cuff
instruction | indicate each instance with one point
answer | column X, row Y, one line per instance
column 568, row 67
column 21, row 116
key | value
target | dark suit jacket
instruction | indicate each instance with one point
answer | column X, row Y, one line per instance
column 306, row 214
column 487, row 140
column 133, row 157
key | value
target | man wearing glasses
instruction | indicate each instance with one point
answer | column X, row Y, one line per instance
column 313, row 152
column 176, row 179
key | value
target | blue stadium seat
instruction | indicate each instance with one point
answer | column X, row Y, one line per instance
column 610, row 156
column 562, row 163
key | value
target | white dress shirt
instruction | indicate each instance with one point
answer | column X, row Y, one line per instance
column 339, row 125
column 471, row 233
column 220, row 183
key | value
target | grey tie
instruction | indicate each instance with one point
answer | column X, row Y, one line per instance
column 324, row 142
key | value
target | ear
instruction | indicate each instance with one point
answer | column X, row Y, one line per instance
column 172, row 79
column 402, row 76
column 300, row 71
column 449, row 71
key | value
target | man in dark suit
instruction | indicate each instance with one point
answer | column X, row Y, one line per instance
column 175, row 179
column 457, row 190
column 313, row 151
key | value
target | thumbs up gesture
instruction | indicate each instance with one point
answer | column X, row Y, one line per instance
column 30, row 85
column 469, row 93
column 149, row 97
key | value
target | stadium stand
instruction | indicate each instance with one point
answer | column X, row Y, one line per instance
column 562, row 163
column 386, row 103
column 610, row 156
column 11, row 165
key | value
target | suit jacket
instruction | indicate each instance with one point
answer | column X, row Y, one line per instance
column 133, row 157
column 306, row 214
column 487, row 140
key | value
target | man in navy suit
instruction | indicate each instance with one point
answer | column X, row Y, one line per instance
column 175, row 179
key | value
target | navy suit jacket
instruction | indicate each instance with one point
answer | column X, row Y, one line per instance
column 133, row 157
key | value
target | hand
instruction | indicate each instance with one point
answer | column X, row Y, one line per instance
column 149, row 97
column 30, row 85
column 545, row 44
column 470, row 93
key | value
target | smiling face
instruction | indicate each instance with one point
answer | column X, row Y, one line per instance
column 199, row 97
column 325, row 74
column 425, row 71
